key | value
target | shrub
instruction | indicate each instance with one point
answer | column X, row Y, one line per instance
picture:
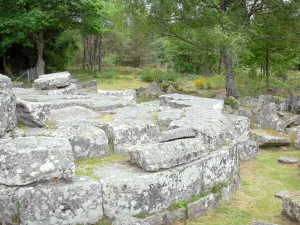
column 168, row 76
column 150, row 75
column 199, row 83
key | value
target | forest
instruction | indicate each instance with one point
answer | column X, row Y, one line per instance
column 231, row 39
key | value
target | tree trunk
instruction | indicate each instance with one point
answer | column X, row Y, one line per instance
column 39, row 42
column 100, row 55
column 268, row 66
column 84, row 54
column 230, row 81
column 220, row 63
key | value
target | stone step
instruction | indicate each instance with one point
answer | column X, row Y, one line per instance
column 156, row 156
column 131, row 190
column 27, row 160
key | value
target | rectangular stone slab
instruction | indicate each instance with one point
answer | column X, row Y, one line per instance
column 32, row 159
column 54, row 80
column 156, row 156
column 131, row 190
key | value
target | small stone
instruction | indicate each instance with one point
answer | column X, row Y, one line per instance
column 282, row 194
column 287, row 160
column 171, row 89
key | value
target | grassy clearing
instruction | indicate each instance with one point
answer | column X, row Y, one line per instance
column 85, row 167
column 255, row 201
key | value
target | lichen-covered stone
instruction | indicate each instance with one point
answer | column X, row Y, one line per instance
column 153, row 157
column 71, row 89
column 79, row 202
column 167, row 217
column 270, row 138
column 54, row 80
column 31, row 159
column 7, row 106
column 282, row 194
column 153, row 90
column 291, row 206
column 287, row 160
column 248, row 150
column 128, row 220
column 129, row 190
column 165, row 117
column 32, row 113
column 129, row 94
column 9, row 205
column 175, row 134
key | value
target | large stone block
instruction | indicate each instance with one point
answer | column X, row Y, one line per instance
column 71, row 89
column 7, row 106
column 130, row 190
column 291, row 206
column 156, row 156
column 175, row 134
column 270, row 138
column 79, row 202
column 32, row 113
column 54, row 80
column 127, row 94
column 28, row 160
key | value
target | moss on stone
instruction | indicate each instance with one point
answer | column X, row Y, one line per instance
column 51, row 125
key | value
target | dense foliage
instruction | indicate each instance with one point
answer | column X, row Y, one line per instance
column 207, row 37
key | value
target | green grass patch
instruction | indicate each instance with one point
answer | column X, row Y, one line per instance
column 261, row 179
column 272, row 132
column 145, row 99
column 105, row 117
column 85, row 167
column 51, row 125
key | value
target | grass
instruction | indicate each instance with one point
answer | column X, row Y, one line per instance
column 255, row 201
column 51, row 125
column 85, row 167
column 105, row 117
column 161, row 127
column 272, row 132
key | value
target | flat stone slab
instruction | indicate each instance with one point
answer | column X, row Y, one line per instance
column 175, row 134
column 270, row 138
column 287, row 160
column 153, row 157
column 130, row 190
column 291, row 206
column 54, row 80
column 165, row 117
column 282, row 194
column 130, row 94
column 28, row 160
column 71, row 89
column 32, row 113
column 78, row 202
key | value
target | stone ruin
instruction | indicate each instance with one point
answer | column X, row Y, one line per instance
column 180, row 149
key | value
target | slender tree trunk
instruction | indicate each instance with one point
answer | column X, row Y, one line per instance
column 268, row 66
column 100, row 55
column 6, row 69
column 39, row 42
column 220, row 63
column 230, row 79
column 84, row 54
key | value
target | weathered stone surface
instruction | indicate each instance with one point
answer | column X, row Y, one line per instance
column 153, row 90
column 245, row 113
column 291, row 206
column 153, row 157
column 71, row 89
column 166, row 217
column 7, row 106
column 270, row 138
column 87, row 141
column 79, row 202
column 182, row 101
column 294, row 132
column 128, row 220
column 198, row 208
column 287, row 160
column 129, row 190
column 124, row 136
column 175, row 134
column 54, row 80
column 165, row 117
column 249, row 102
column 32, row 113
column 30, row 159
column 8, row 205
column 267, row 117
column 171, row 90
column 248, row 150
column 221, row 96
column 282, row 194
column 130, row 94
column 241, row 127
